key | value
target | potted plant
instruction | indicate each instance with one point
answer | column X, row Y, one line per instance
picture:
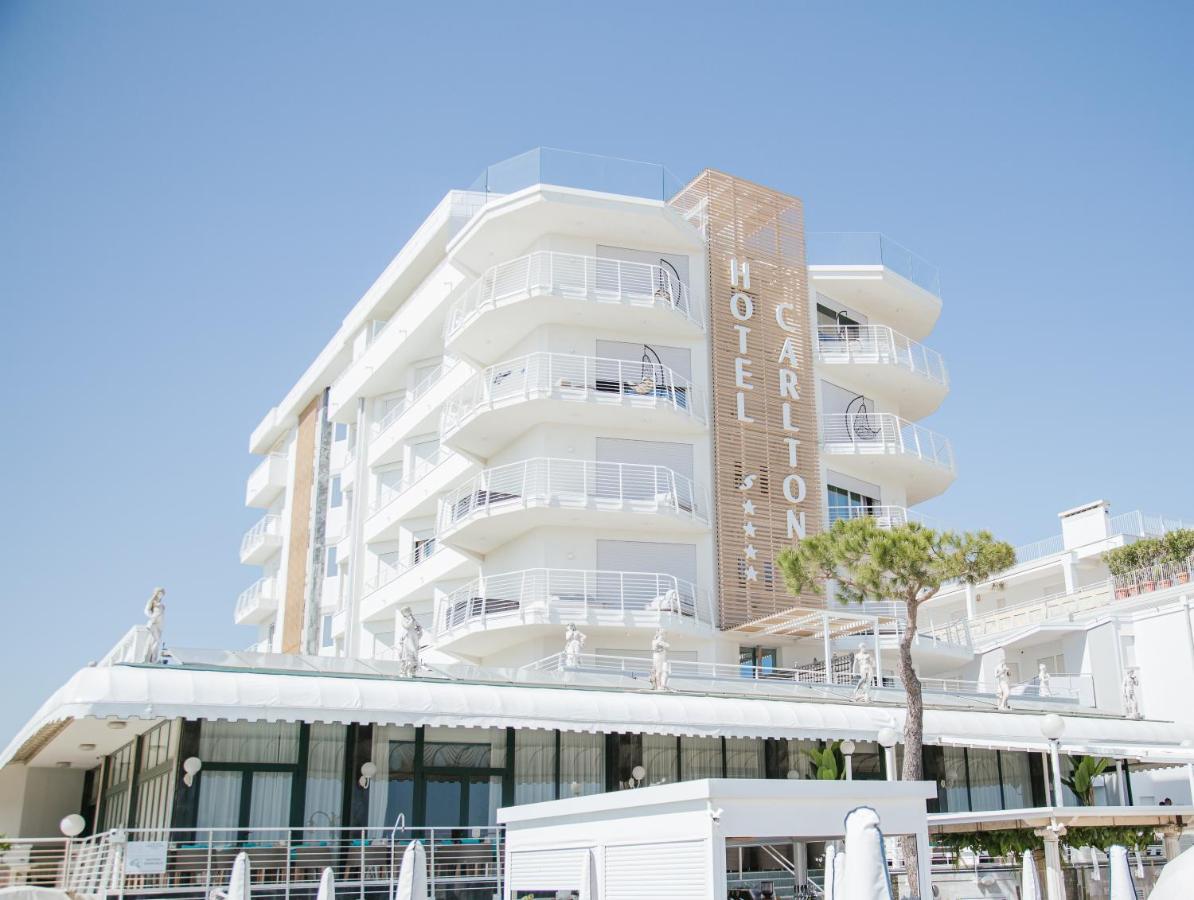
column 1082, row 776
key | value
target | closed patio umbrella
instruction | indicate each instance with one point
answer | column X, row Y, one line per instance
column 1122, row 887
column 830, row 859
column 327, row 885
column 1176, row 878
column 588, row 878
column 238, row 882
column 412, row 873
column 865, row 876
column 1030, row 886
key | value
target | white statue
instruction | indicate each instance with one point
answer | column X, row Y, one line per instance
column 864, row 668
column 573, row 642
column 659, row 664
column 409, row 646
column 1003, row 685
column 155, row 616
column 1042, row 680
column 1131, row 692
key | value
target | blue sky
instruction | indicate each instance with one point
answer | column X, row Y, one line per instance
column 193, row 195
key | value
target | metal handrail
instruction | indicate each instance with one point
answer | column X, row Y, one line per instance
column 260, row 589
column 878, row 344
column 577, row 593
column 885, row 433
column 884, row 516
column 426, row 383
column 422, row 468
column 574, row 276
column 413, row 560
column 569, row 377
column 547, row 481
column 266, row 526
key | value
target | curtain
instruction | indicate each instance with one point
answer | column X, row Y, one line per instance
column 582, row 764
column 269, row 805
column 799, row 760
column 984, row 779
column 956, row 796
column 1017, row 780
column 325, row 779
column 249, row 742
column 659, row 758
column 219, row 802
column 700, row 758
column 392, row 790
column 744, row 758
column 534, row 766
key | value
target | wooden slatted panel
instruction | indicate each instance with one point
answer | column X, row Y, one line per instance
column 745, row 221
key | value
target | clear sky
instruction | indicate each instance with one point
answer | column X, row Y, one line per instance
column 192, row 195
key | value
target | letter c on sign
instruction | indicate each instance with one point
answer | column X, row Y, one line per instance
column 742, row 307
column 782, row 322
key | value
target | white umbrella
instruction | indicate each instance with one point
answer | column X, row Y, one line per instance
column 1030, row 888
column 588, row 877
column 238, row 883
column 830, row 860
column 327, row 885
column 1176, row 878
column 866, row 862
column 412, row 873
column 1121, row 874
column 839, row 875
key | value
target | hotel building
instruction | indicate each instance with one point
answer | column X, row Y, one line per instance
column 586, row 394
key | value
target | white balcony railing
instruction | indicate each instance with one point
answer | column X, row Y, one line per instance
column 1154, row 578
column 267, row 529
column 571, row 594
column 388, row 572
column 420, row 469
column 884, row 516
column 426, row 383
column 878, row 344
column 569, row 377
column 884, row 433
column 575, row 277
column 258, row 597
column 572, row 483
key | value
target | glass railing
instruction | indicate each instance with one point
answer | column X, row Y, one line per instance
column 585, row 171
column 870, row 248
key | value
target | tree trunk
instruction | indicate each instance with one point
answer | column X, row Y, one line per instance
column 913, row 767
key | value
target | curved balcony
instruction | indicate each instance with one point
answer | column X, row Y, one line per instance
column 545, row 287
column 505, row 501
column 877, row 361
column 881, row 447
column 884, row 516
column 261, row 541
column 507, row 399
column 257, row 603
column 498, row 610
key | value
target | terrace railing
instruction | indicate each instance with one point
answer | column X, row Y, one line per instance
column 884, row 433
column 268, row 526
column 879, row 344
column 426, row 383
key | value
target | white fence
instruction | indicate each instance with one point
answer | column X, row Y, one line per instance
column 577, row 277
column 257, row 596
column 571, row 594
column 572, row 483
column 878, row 344
column 1153, row 578
column 267, row 527
column 883, row 433
column 426, row 383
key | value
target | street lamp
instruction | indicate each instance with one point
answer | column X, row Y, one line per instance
column 848, row 749
column 72, row 826
column 887, row 740
column 1053, row 727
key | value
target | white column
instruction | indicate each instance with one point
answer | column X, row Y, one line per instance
column 828, row 648
column 1171, row 837
column 1067, row 571
column 1045, row 771
column 1054, row 880
column 800, row 861
column 878, row 657
column 1058, row 795
column 970, row 608
column 924, row 862
column 1190, row 778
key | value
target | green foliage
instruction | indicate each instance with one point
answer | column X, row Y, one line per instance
column 829, row 763
column 1176, row 546
column 1103, row 837
column 1179, row 544
column 1082, row 776
column 990, row 843
column 904, row 564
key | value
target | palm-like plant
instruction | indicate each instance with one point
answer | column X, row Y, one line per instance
column 829, row 763
column 1082, row 776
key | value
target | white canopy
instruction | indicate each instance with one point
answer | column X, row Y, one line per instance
column 160, row 692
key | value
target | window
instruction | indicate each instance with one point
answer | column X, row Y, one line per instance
column 341, row 432
column 326, row 632
column 844, row 504
column 757, row 661
column 332, row 565
column 337, row 494
column 325, row 773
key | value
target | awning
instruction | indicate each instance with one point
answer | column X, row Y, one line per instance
column 143, row 692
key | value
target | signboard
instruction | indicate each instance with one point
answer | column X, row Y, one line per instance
column 145, row 858
column 765, row 435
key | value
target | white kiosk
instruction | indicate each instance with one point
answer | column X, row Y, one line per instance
column 670, row 840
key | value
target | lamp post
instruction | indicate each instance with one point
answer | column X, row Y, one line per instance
column 1053, row 727
column 71, row 827
column 848, row 749
column 887, row 740
column 191, row 766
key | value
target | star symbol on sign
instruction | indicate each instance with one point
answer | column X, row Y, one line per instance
column 751, row 552
column 751, row 574
column 749, row 528
column 748, row 507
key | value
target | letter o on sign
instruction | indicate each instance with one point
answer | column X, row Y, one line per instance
column 742, row 307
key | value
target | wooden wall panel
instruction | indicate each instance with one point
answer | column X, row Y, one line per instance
column 298, row 545
column 771, row 383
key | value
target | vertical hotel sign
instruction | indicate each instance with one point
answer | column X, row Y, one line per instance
column 765, row 436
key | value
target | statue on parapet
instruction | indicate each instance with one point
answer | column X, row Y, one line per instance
column 1131, row 692
column 659, row 663
column 1042, row 681
column 410, row 637
column 574, row 640
column 864, row 668
column 1003, row 685
column 155, row 621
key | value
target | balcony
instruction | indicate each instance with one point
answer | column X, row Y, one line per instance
column 884, row 516
column 267, row 481
column 412, row 579
column 261, row 541
column 514, row 297
column 503, row 502
column 507, row 399
column 879, row 447
column 418, row 412
column 873, row 274
column 875, row 360
column 416, row 495
column 500, row 610
column 258, row 603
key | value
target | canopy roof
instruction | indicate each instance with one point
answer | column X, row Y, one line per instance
column 140, row 695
